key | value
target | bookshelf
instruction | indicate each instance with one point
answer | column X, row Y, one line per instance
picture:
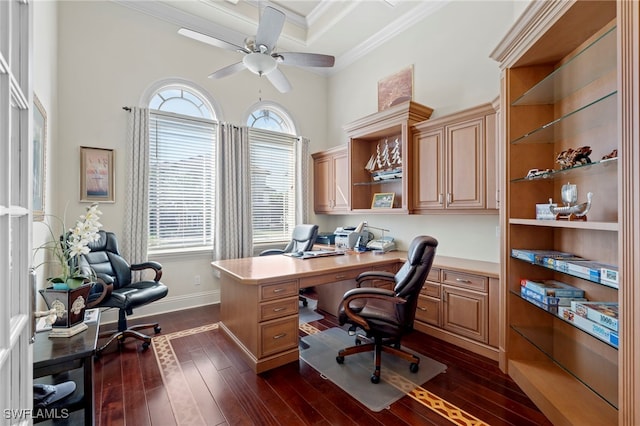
column 561, row 89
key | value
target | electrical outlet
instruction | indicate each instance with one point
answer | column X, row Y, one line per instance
column 196, row 280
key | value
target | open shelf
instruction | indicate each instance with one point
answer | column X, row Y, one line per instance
column 573, row 172
column 590, row 116
column 595, row 226
column 545, row 266
column 593, row 62
column 378, row 182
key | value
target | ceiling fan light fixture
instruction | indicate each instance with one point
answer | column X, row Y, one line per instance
column 259, row 63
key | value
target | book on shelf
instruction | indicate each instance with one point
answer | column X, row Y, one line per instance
column 559, row 263
column 591, row 327
column 549, row 308
column 548, row 300
column 604, row 313
column 590, row 270
column 551, row 288
column 609, row 275
column 538, row 256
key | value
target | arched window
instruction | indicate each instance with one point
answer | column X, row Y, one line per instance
column 273, row 155
column 182, row 139
column 270, row 116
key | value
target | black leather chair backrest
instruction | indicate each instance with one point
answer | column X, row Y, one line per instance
column 303, row 238
column 105, row 258
column 412, row 275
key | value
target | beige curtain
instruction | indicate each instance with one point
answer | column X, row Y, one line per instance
column 233, row 235
column 134, row 238
column 302, row 180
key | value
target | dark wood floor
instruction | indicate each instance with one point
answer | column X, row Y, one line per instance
column 129, row 388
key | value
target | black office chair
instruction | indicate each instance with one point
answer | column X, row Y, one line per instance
column 387, row 315
column 303, row 238
column 115, row 288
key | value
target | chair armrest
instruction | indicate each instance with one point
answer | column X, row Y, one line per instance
column 271, row 252
column 106, row 282
column 375, row 275
column 149, row 265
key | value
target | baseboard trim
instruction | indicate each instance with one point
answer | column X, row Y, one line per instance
column 168, row 304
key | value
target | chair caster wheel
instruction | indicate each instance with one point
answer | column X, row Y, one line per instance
column 340, row 359
column 145, row 346
column 358, row 342
column 414, row 367
column 157, row 329
column 375, row 379
column 305, row 303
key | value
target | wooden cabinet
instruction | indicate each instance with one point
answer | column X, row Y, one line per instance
column 454, row 162
column 458, row 304
column 562, row 88
column 331, row 180
column 392, row 128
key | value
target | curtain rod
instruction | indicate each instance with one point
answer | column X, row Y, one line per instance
column 126, row 108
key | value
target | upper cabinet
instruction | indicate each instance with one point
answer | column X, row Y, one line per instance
column 331, row 181
column 379, row 158
column 454, row 162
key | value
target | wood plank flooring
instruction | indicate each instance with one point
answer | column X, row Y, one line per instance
column 129, row 389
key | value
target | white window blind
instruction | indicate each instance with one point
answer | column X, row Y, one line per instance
column 273, row 185
column 181, row 181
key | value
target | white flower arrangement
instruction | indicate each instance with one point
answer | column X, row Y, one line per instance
column 65, row 250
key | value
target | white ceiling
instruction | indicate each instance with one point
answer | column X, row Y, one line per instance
column 346, row 29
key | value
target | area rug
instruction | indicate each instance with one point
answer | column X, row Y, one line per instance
column 319, row 350
column 308, row 313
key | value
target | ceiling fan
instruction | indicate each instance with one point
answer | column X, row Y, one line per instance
column 260, row 55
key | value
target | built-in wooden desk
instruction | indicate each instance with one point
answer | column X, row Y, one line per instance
column 259, row 300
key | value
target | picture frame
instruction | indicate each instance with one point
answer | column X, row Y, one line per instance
column 395, row 89
column 39, row 145
column 383, row 200
column 97, row 182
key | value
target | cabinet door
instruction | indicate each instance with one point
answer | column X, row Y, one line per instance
column 322, row 194
column 341, row 181
column 465, row 313
column 429, row 173
column 465, row 165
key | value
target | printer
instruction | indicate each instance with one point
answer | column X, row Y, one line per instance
column 347, row 237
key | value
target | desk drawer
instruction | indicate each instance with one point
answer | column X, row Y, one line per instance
column 278, row 308
column 430, row 289
column 428, row 310
column 331, row 277
column 278, row 290
column 278, row 335
column 470, row 281
column 434, row 275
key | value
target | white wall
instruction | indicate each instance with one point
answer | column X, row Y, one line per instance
column 452, row 71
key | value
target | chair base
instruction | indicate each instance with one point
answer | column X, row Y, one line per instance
column 379, row 345
column 120, row 336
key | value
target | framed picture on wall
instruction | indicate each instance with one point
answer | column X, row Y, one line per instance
column 39, row 159
column 97, row 175
column 383, row 200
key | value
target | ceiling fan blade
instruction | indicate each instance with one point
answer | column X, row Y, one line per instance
column 269, row 28
column 210, row 40
column 306, row 59
column 279, row 81
column 231, row 69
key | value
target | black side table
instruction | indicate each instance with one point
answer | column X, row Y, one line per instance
column 53, row 356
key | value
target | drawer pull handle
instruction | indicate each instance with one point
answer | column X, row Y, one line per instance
column 278, row 309
column 339, row 277
column 279, row 336
column 422, row 309
column 278, row 290
column 460, row 280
